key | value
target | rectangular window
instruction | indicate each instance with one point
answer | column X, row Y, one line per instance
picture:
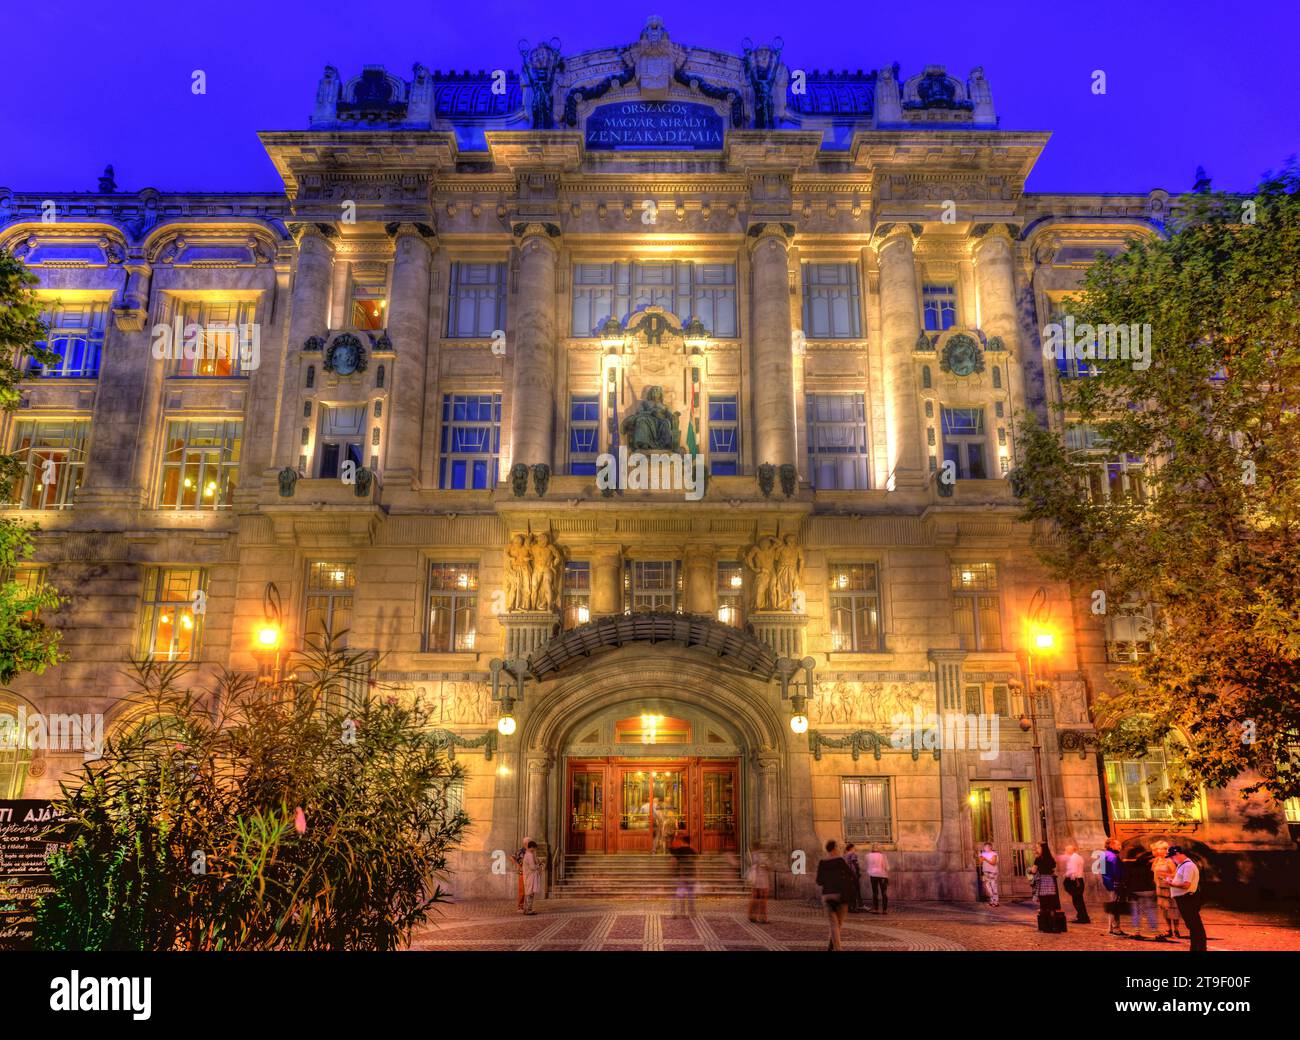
column 174, row 607
column 584, row 434
column 977, row 606
column 453, row 607
column 341, row 439
column 1291, row 809
column 724, row 435
column 369, row 297
column 576, row 602
column 685, row 289
column 30, row 578
column 51, row 456
column 837, row 441
column 864, row 807
column 651, row 585
column 200, row 464
column 329, row 602
column 1134, row 784
column 1105, row 476
column 731, row 594
column 830, row 301
column 214, row 329
column 76, row 334
column 476, row 304
column 1129, row 628
column 855, row 607
column 991, row 699
column 964, row 442
column 939, row 303
column 1069, row 367
column 471, row 441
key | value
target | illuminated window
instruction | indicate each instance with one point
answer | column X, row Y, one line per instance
column 977, row 606
column 342, row 431
column 650, row 728
column 15, row 752
column 682, row 288
column 855, row 607
column 1129, row 628
column 329, row 602
column 52, row 457
column 171, row 621
column 1105, row 476
column 577, row 593
column 220, row 343
column 1136, row 784
column 830, row 301
column 476, row 305
column 651, row 585
column 369, row 297
column 964, row 442
column 200, row 467
column 837, row 441
column 453, row 607
column 471, row 441
column 1291, row 809
column 731, row 594
column 76, row 334
column 939, row 303
column 864, row 807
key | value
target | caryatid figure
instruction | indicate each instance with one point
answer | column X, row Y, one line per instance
column 546, row 561
column 789, row 572
column 518, row 581
column 761, row 559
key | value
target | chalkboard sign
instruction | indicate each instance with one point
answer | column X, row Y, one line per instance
column 24, row 871
column 655, row 126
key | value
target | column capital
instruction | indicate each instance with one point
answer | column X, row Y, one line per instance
column 399, row 230
column 981, row 235
column 525, row 230
column 313, row 231
column 758, row 233
column 886, row 235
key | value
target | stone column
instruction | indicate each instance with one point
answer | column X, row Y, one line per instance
column 308, row 316
column 772, row 372
column 539, row 771
column 900, row 328
column 767, row 768
column 995, row 285
column 701, row 582
column 130, row 386
column 606, row 582
column 408, row 328
column 531, row 347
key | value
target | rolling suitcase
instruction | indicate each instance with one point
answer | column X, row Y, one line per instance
column 1051, row 921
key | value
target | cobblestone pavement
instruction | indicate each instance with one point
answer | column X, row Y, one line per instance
column 721, row 924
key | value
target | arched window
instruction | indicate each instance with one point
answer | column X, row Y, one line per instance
column 997, row 378
column 15, row 751
column 926, row 381
column 311, row 376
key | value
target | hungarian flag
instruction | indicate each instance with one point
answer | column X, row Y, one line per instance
column 692, row 410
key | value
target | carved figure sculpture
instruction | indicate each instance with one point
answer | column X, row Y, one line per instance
column 518, row 579
column 761, row 559
column 533, row 568
column 764, row 71
column 546, row 561
column 542, row 64
column 652, row 427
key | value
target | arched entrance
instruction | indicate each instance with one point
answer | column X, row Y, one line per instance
column 710, row 732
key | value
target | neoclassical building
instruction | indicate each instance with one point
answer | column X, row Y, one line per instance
column 679, row 383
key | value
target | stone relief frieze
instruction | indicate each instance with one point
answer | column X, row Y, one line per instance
column 873, row 705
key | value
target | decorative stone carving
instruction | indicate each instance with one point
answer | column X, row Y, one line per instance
column 288, row 481
column 533, row 567
column 789, row 479
column 961, row 355
column 767, row 79
column 457, row 702
column 541, row 478
column 877, row 705
column 652, row 427
column 365, row 480
column 345, row 355
column 777, row 564
column 766, row 479
column 314, row 344
column 542, row 64
column 519, row 479
column 655, row 59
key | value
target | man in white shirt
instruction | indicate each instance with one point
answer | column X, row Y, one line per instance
column 878, row 872
column 1185, row 886
column 1072, row 867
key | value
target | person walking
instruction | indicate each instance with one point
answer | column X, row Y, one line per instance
column 851, row 858
column 1112, row 879
column 1186, row 889
column 1163, row 869
column 532, row 876
column 878, row 872
column 1140, row 884
column 988, row 866
column 1046, row 888
column 1073, row 880
column 760, row 883
column 680, row 849
column 518, row 857
column 835, row 879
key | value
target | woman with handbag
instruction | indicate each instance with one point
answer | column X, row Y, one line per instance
column 836, row 880
column 1046, row 888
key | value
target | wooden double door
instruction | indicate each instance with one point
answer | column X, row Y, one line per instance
column 635, row 805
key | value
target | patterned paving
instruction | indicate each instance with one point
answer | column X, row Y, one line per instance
column 721, row 924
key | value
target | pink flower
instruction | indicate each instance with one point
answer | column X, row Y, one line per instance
column 300, row 820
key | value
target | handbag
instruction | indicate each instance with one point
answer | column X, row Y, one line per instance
column 1116, row 907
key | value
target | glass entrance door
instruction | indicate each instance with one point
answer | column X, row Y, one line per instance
column 653, row 802
column 1001, row 813
column 587, row 810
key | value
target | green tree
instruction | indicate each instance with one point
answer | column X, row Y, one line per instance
column 1214, row 543
column 27, row 644
column 252, row 817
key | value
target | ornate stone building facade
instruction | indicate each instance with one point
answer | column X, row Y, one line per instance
column 824, row 291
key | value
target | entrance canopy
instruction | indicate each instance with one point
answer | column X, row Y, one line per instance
column 688, row 630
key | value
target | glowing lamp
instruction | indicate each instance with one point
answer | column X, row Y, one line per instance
column 1044, row 640
column 506, row 725
column 799, row 723
column 268, row 636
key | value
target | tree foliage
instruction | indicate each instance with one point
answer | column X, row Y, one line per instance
column 1214, row 546
column 247, row 816
column 27, row 644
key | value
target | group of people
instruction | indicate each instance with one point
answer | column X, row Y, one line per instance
column 1162, row 879
column 839, row 876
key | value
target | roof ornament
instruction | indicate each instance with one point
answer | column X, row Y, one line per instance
column 767, row 78
column 542, row 64
column 107, row 182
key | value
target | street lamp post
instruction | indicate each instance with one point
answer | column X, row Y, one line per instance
column 269, row 637
column 1044, row 640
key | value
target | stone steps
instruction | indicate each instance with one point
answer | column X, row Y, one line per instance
column 643, row 876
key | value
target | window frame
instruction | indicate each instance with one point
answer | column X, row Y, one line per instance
column 940, row 293
column 972, row 592
column 228, row 460
column 865, row 833
column 968, row 441
column 89, row 334
column 472, row 294
column 447, row 459
column 724, row 463
column 458, row 602
column 154, row 605
column 633, row 591
column 70, row 470
column 313, row 592
column 824, row 452
column 817, row 291
column 856, row 599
